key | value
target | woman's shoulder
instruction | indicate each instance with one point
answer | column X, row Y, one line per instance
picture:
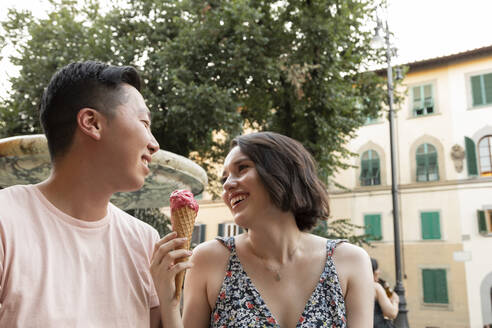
column 351, row 261
column 342, row 248
column 351, row 253
column 210, row 252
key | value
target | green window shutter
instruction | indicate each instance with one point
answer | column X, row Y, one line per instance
column 364, row 172
column 372, row 225
column 375, row 172
column 435, row 286
column 432, row 159
column 482, row 224
column 367, row 226
column 436, row 226
column 422, row 170
column 425, row 224
column 431, row 227
column 471, row 157
column 432, row 168
column 441, row 286
column 487, row 81
column 221, row 229
column 428, row 285
column 428, row 99
column 203, row 230
column 369, row 172
column 477, row 95
column 417, row 98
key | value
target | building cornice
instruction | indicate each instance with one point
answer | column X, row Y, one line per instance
column 479, row 181
column 444, row 60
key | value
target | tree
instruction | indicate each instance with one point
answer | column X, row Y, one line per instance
column 295, row 67
column 211, row 68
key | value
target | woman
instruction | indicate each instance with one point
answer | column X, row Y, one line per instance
column 384, row 306
column 276, row 274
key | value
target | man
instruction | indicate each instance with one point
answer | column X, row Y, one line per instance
column 68, row 257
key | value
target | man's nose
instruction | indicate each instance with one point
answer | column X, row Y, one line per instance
column 153, row 145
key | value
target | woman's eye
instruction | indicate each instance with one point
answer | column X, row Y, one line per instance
column 242, row 167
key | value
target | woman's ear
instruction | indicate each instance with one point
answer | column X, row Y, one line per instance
column 89, row 122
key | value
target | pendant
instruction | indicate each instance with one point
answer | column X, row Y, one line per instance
column 277, row 276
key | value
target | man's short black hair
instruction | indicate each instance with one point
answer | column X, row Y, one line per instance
column 79, row 85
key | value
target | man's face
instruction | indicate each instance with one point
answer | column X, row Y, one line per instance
column 128, row 141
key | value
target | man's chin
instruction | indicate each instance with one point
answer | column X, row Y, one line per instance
column 136, row 186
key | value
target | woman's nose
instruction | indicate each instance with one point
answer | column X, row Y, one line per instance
column 231, row 182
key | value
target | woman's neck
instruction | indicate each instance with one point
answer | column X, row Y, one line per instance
column 278, row 240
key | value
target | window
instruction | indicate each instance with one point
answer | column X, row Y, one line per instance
column 229, row 229
column 484, row 222
column 427, row 168
column 369, row 169
column 481, row 86
column 435, row 286
column 485, row 156
column 372, row 223
column 198, row 235
column 431, row 228
column 422, row 100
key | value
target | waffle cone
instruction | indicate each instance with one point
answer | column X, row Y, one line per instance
column 183, row 221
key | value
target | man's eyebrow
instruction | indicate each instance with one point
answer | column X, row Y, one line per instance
column 147, row 112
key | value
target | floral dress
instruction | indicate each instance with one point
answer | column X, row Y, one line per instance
column 239, row 304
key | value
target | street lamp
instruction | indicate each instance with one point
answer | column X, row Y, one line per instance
column 402, row 320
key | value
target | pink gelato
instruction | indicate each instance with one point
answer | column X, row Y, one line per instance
column 182, row 198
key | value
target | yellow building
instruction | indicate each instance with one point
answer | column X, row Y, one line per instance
column 444, row 157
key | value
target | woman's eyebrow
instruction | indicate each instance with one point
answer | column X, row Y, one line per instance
column 236, row 162
column 240, row 160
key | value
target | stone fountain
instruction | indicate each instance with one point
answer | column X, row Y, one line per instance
column 26, row 160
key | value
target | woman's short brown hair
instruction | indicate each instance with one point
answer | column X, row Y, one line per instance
column 289, row 173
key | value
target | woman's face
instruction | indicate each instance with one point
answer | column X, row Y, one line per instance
column 243, row 191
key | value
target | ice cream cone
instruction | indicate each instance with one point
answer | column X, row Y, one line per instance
column 183, row 220
column 183, row 214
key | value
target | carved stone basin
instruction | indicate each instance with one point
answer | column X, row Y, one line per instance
column 26, row 160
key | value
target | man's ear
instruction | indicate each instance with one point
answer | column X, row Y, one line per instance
column 89, row 122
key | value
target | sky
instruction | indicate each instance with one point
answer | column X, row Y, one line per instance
column 422, row 29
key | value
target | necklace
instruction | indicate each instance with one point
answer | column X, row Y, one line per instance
column 276, row 272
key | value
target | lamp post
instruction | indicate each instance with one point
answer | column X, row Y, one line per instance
column 402, row 320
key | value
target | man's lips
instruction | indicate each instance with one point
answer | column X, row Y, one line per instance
column 146, row 160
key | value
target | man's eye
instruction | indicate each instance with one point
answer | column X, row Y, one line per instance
column 223, row 180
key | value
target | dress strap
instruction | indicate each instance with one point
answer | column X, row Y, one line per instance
column 228, row 242
column 331, row 244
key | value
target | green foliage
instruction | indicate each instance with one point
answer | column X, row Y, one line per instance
column 211, row 68
column 154, row 217
column 341, row 229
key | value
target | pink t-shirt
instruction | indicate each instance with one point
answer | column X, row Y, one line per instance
column 58, row 271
